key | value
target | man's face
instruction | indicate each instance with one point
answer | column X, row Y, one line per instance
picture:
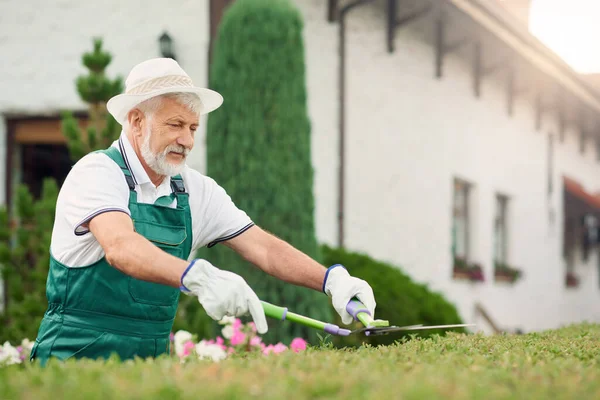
column 168, row 137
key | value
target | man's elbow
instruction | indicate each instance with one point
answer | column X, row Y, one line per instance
column 115, row 251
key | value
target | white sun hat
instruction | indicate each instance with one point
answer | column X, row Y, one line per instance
column 154, row 77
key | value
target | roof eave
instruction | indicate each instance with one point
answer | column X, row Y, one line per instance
column 517, row 36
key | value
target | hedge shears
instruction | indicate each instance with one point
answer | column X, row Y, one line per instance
column 372, row 327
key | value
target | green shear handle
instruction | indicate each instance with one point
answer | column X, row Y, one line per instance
column 355, row 308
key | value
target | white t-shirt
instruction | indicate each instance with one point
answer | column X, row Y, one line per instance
column 97, row 184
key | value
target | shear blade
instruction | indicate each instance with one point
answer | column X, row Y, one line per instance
column 385, row 330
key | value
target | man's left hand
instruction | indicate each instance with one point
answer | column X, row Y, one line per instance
column 342, row 287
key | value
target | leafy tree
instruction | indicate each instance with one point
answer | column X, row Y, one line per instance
column 259, row 146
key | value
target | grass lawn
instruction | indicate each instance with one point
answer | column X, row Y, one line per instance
column 558, row 364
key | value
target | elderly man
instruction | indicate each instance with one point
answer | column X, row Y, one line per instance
column 129, row 217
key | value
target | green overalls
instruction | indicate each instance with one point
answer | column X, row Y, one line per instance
column 96, row 310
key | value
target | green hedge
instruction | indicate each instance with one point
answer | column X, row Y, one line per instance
column 556, row 364
column 400, row 300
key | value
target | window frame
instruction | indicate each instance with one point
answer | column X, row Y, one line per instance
column 501, row 215
column 467, row 189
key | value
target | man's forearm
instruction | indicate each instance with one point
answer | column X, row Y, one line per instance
column 293, row 266
column 136, row 256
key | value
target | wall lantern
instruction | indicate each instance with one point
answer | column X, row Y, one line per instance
column 166, row 46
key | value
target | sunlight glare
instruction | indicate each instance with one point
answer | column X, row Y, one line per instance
column 570, row 28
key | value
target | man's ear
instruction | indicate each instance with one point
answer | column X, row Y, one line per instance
column 135, row 118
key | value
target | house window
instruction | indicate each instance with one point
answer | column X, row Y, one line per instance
column 36, row 150
column 460, row 220
column 501, row 230
column 550, row 169
column 41, row 161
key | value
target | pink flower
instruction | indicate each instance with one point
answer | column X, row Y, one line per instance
column 298, row 344
column 255, row 341
column 279, row 347
column 188, row 347
column 237, row 324
column 268, row 349
column 180, row 339
column 221, row 343
column 238, row 338
column 252, row 326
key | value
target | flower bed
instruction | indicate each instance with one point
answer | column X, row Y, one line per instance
column 15, row 355
column 237, row 339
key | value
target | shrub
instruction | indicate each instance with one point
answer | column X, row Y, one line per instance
column 24, row 260
column 400, row 300
column 258, row 146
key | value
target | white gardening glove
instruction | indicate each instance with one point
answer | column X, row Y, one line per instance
column 222, row 293
column 342, row 287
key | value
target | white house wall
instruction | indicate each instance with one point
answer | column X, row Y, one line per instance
column 322, row 62
column 408, row 135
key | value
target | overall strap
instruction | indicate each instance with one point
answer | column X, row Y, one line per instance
column 117, row 157
column 177, row 184
column 178, row 188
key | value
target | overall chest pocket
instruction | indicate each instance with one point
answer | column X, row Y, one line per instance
column 170, row 239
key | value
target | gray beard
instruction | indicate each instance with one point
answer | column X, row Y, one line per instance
column 158, row 162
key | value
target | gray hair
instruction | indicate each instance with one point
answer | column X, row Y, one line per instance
column 190, row 100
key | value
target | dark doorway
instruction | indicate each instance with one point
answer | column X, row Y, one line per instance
column 41, row 161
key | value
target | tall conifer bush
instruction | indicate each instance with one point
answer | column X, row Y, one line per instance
column 95, row 89
column 259, row 145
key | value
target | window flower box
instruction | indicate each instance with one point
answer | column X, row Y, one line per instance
column 506, row 273
column 571, row 280
column 466, row 271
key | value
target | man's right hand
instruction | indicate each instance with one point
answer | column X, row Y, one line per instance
column 222, row 293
